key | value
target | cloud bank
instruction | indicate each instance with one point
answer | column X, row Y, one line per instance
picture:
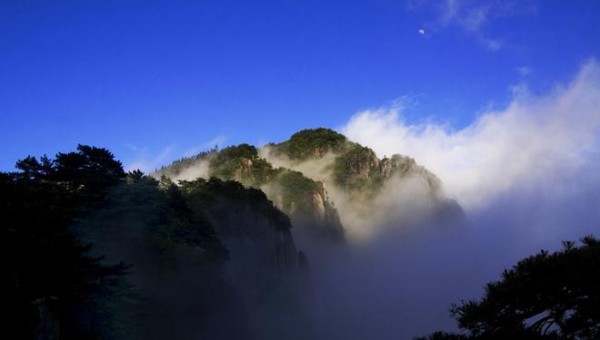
column 528, row 178
column 536, row 139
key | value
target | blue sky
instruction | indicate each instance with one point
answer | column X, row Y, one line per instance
column 154, row 80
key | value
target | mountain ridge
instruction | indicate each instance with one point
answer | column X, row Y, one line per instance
column 314, row 174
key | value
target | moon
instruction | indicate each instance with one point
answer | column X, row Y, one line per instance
column 421, row 31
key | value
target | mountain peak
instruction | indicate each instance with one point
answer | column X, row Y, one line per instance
column 328, row 184
column 312, row 143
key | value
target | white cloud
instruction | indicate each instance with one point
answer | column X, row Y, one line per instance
column 534, row 139
column 528, row 178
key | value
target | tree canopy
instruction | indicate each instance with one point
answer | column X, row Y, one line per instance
column 544, row 296
column 88, row 251
column 312, row 143
column 43, row 264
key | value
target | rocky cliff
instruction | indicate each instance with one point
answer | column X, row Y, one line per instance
column 362, row 185
column 322, row 181
column 256, row 233
column 303, row 199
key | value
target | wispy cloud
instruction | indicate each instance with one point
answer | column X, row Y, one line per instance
column 218, row 142
column 131, row 147
column 524, row 70
column 148, row 161
column 473, row 17
column 470, row 16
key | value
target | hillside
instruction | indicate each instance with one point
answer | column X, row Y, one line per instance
column 326, row 182
column 97, row 253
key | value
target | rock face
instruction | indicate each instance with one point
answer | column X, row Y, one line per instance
column 255, row 232
column 365, row 185
column 385, row 168
column 353, row 166
column 240, row 163
column 303, row 199
column 264, row 268
column 304, row 175
column 307, row 204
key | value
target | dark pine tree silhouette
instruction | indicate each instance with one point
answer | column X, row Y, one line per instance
column 545, row 296
column 48, row 279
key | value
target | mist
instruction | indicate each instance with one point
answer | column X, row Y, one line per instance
column 199, row 169
column 403, row 199
column 402, row 283
column 527, row 178
column 298, row 170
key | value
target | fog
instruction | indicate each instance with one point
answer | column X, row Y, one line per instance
column 527, row 177
column 401, row 201
column 199, row 169
column 402, row 283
